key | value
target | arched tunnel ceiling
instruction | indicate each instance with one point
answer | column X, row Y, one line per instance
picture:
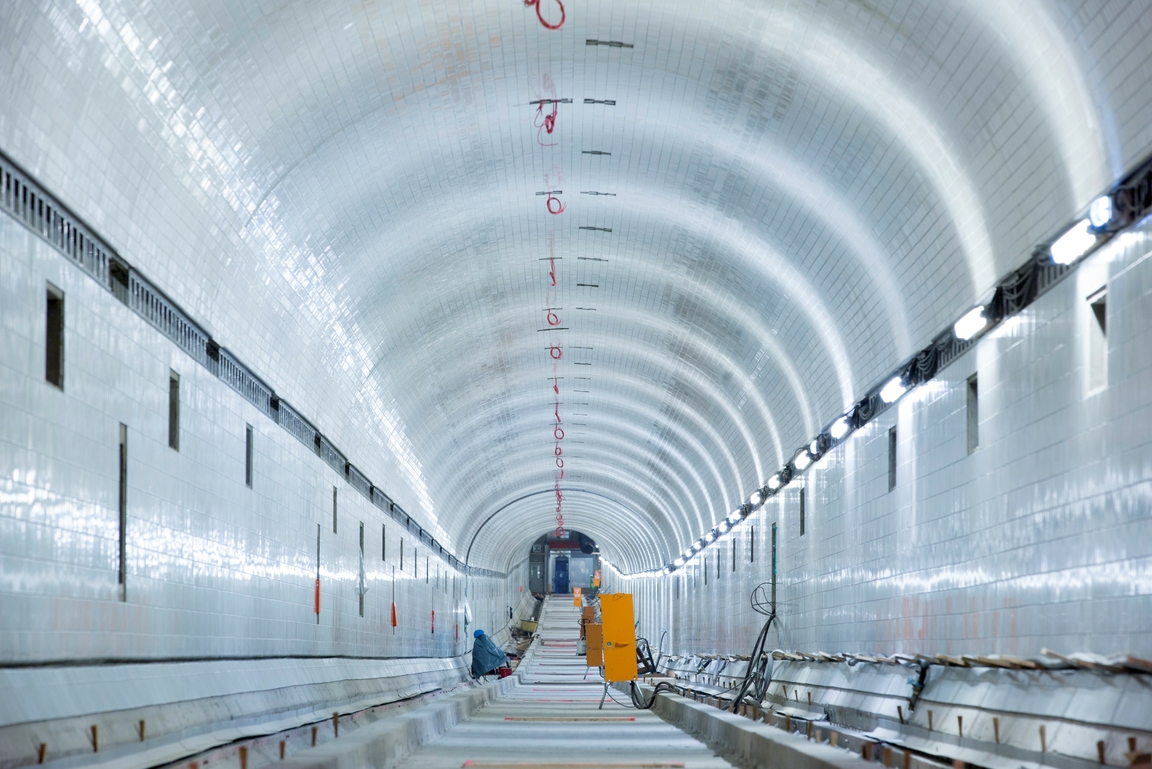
column 798, row 195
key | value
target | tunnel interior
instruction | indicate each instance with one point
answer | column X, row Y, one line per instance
column 335, row 332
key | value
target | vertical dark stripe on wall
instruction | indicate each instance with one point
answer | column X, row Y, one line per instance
column 773, row 567
column 317, row 574
column 802, row 511
column 122, row 575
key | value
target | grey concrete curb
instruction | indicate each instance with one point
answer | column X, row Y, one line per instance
column 381, row 744
column 751, row 744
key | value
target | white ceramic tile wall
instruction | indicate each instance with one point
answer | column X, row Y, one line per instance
column 214, row 569
column 1040, row 538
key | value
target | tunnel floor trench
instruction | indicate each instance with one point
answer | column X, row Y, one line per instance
column 551, row 719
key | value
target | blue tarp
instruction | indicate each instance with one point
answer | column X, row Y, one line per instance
column 486, row 657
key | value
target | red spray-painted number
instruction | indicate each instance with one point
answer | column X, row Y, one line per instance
column 540, row 13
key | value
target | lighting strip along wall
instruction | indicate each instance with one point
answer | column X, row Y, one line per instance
column 27, row 202
column 1115, row 210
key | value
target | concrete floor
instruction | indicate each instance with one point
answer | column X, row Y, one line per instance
column 551, row 718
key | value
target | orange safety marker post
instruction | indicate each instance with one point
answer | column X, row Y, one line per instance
column 393, row 614
column 317, row 609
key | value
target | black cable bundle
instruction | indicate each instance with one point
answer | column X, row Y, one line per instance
column 638, row 696
column 759, row 673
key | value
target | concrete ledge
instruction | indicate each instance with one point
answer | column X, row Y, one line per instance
column 752, row 744
column 381, row 744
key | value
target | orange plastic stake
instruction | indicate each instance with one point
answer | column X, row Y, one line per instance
column 317, row 595
column 393, row 614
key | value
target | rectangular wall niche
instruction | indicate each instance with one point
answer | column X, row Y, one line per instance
column 54, row 338
column 892, row 459
column 1097, row 342
column 802, row 511
column 173, row 410
column 973, row 415
column 248, row 455
column 122, row 569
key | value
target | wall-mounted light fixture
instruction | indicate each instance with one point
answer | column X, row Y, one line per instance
column 1074, row 243
column 894, row 388
column 971, row 324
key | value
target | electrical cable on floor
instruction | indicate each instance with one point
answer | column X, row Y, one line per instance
column 638, row 696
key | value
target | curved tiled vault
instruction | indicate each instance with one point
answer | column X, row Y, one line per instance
column 790, row 199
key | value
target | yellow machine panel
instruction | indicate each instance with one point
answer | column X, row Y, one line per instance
column 619, row 637
column 594, row 650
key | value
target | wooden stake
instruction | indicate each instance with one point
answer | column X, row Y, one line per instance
column 808, row 730
column 900, row 712
column 819, row 735
column 809, row 699
column 866, row 751
column 313, row 736
column 95, row 740
column 834, row 738
column 335, row 724
column 907, row 759
column 1043, row 742
column 787, row 723
column 996, row 729
column 243, row 757
column 141, row 729
column 929, row 720
column 281, row 750
column 960, row 725
column 43, row 752
column 1100, row 750
column 887, row 756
